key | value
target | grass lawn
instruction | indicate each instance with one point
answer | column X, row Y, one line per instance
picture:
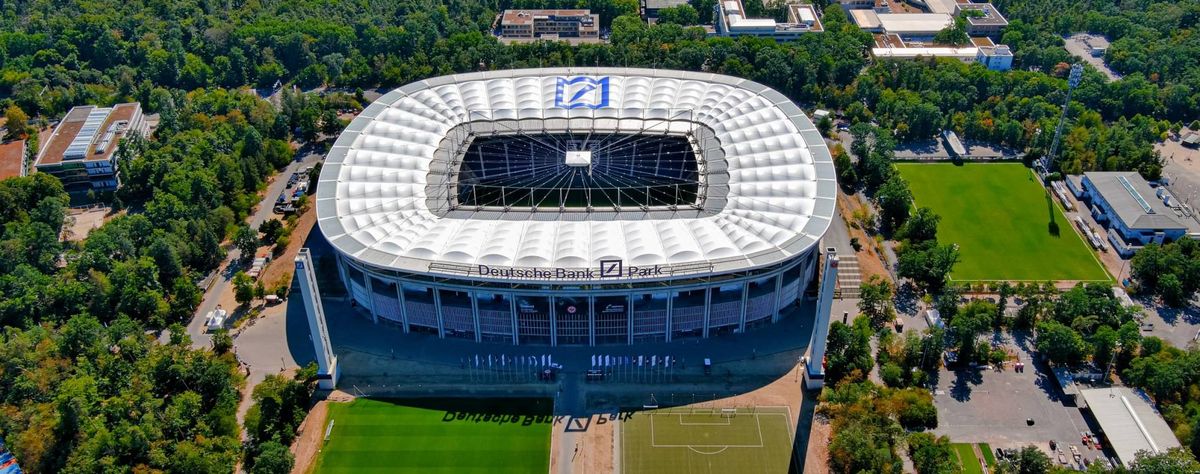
column 989, row 456
column 1006, row 225
column 431, row 436
column 967, row 458
column 686, row 440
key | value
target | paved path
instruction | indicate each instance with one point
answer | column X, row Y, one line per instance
column 221, row 280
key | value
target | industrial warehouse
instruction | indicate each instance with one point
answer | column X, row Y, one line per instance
column 578, row 206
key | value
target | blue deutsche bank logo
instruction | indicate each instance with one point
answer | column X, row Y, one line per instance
column 581, row 92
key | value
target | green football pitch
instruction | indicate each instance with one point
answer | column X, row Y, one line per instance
column 693, row 440
column 432, row 436
column 1006, row 225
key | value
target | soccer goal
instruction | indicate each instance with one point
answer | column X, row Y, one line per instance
column 728, row 412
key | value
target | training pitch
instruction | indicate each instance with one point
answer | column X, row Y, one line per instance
column 702, row 440
column 1006, row 225
column 430, row 436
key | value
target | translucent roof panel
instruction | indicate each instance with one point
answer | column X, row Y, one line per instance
column 742, row 179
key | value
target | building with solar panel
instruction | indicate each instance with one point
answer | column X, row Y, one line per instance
column 82, row 151
column 578, row 206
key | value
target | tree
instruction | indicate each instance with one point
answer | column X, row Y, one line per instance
column 931, row 455
column 683, row 15
column 895, row 201
column 1029, row 460
column 1059, row 343
column 222, row 342
column 876, row 301
column 928, row 265
column 273, row 458
column 973, row 319
column 270, row 229
column 849, row 351
column 1171, row 461
column 15, row 121
column 921, row 226
column 243, row 288
column 246, row 241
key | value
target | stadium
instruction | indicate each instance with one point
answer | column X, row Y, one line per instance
column 580, row 206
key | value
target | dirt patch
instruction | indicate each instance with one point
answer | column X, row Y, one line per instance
column 311, row 434
column 816, row 458
column 82, row 221
column 870, row 261
column 281, row 265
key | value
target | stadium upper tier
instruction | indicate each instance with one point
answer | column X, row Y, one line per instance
column 586, row 176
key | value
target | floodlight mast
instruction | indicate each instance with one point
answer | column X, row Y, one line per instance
column 1072, row 83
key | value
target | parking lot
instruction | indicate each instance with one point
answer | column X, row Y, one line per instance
column 993, row 406
column 297, row 185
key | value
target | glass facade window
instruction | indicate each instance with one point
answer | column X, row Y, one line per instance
column 533, row 319
column 495, row 316
column 387, row 301
column 458, row 319
column 760, row 302
column 650, row 316
column 574, row 317
column 419, row 307
column 571, row 314
column 612, row 319
column 725, row 310
column 687, row 314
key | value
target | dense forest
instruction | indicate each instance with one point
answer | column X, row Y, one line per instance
column 84, row 389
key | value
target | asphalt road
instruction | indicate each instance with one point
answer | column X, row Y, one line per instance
column 221, row 280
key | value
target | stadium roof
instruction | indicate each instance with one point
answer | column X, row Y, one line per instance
column 1129, row 421
column 770, row 188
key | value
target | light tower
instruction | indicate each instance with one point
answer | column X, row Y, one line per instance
column 1072, row 82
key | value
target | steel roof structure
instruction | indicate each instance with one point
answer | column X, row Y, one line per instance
column 388, row 196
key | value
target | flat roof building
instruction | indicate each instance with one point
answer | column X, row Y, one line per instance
column 12, row 159
column 1129, row 422
column 988, row 22
column 996, row 58
column 549, row 24
column 1135, row 213
column 82, row 150
column 650, row 8
column 731, row 21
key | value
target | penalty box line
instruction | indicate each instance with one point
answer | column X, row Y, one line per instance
column 757, row 423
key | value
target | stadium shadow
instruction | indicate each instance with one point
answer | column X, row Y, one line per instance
column 808, row 407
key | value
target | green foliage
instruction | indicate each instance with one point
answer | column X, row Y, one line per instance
column 1059, row 343
column 273, row 458
column 280, row 405
column 1170, row 271
column 848, row 354
column 868, row 421
column 928, row 264
column 683, row 15
column 1028, row 460
column 931, row 454
column 895, row 202
column 954, row 35
column 921, row 226
column 82, row 396
column 243, row 288
column 972, row 320
column 14, row 122
column 246, row 240
column 875, row 301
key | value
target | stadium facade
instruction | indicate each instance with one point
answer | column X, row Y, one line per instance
column 578, row 206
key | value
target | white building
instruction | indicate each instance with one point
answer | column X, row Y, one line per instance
column 82, row 152
column 730, row 20
column 996, row 58
column 579, row 206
